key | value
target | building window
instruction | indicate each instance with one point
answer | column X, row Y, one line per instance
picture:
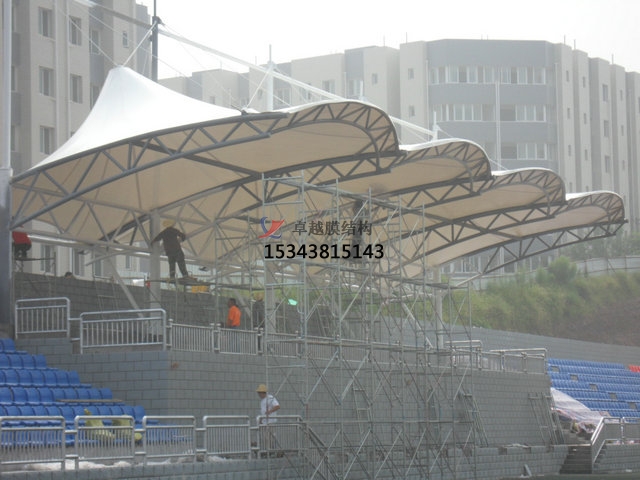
column 567, row 76
column 605, row 93
column 586, row 155
column 355, row 88
column 46, row 81
column 507, row 113
column 97, row 266
column 78, row 263
column 410, row 74
column 76, row 88
column 532, row 151
column 607, row 163
column 45, row 22
column 584, row 82
column 329, row 86
column 282, row 97
column 94, row 42
column 374, row 79
column 584, row 118
column 212, row 99
column 47, row 140
column 509, row 151
column 487, row 75
column 47, row 258
column 568, row 113
column 128, row 263
column 605, row 128
column 14, row 78
column 75, row 31
column 412, row 111
column 569, row 150
column 472, row 74
column 125, row 39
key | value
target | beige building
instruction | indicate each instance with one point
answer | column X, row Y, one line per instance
column 527, row 103
column 62, row 52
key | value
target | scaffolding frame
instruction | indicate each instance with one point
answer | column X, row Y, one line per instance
column 399, row 379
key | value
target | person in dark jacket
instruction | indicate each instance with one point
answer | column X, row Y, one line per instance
column 171, row 238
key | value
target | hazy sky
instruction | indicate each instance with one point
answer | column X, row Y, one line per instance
column 294, row 29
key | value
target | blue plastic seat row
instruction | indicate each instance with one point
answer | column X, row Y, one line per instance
column 69, row 412
column 45, row 395
column 22, row 360
column 37, row 377
column 585, row 363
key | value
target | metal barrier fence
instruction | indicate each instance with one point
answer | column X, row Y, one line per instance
column 41, row 440
column 109, row 438
column 121, row 328
column 227, row 436
column 213, row 338
column 144, row 328
column 174, row 437
column 283, row 435
column 104, row 438
column 40, row 315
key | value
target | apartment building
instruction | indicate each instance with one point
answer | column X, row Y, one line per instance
column 62, row 51
column 527, row 103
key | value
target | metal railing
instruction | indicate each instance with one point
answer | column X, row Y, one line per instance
column 38, row 315
column 149, row 328
column 123, row 328
column 109, row 438
column 227, row 436
column 41, row 440
column 165, row 437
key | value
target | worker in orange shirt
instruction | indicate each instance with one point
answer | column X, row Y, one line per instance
column 233, row 317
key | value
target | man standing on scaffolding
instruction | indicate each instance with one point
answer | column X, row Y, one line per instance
column 171, row 238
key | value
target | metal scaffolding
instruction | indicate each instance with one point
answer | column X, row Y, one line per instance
column 399, row 369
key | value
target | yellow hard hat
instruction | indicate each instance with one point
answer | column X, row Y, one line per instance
column 262, row 388
column 168, row 223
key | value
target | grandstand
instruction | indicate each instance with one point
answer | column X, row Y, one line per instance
column 373, row 382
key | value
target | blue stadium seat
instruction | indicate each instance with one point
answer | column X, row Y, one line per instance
column 33, row 395
column 139, row 412
column 58, row 393
column 15, row 360
column 24, row 377
column 4, row 360
column 7, row 345
column 83, row 393
column 105, row 393
column 50, row 378
column 28, row 361
column 62, row 378
column 37, row 378
column 40, row 361
column 6, row 396
column 11, row 377
column 19, row 395
column 46, row 395
column 73, row 377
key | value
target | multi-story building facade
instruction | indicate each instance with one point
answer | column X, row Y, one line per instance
column 62, row 51
column 527, row 103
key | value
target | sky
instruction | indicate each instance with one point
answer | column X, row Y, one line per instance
column 292, row 29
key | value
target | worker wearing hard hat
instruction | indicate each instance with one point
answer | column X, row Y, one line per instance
column 268, row 405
